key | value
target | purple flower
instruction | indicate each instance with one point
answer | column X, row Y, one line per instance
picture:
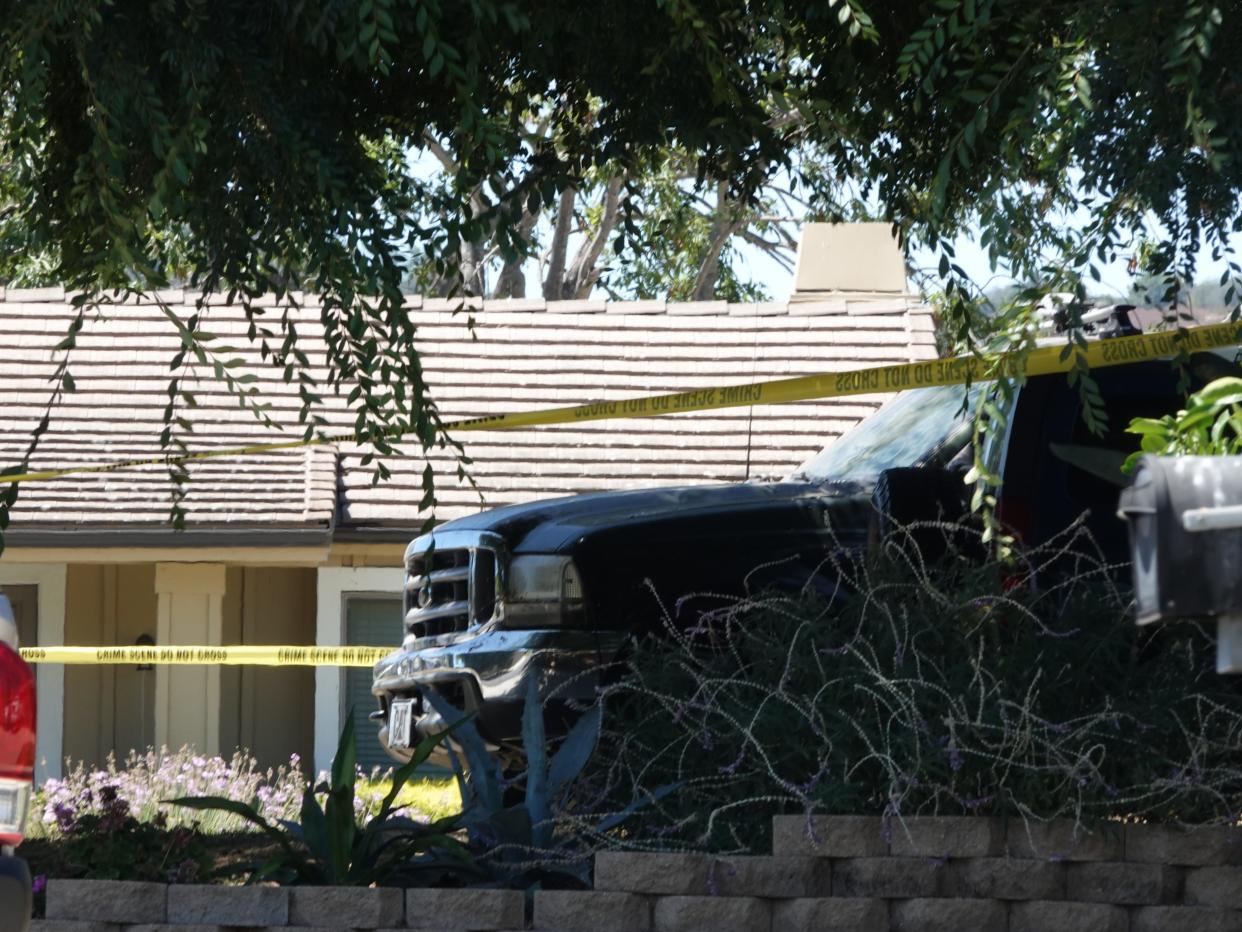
column 66, row 817
column 39, row 884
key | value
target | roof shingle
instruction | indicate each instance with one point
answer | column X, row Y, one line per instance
column 521, row 355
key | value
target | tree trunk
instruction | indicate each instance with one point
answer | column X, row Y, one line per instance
column 585, row 272
column 723, row 227
column 511, row 283
column 554, row 284
column 472, row 267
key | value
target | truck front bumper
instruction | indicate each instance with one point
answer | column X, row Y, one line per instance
column 486, row 673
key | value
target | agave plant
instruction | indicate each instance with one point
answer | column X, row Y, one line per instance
column 516, row 841
column 328, row 846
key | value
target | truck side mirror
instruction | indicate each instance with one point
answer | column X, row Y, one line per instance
column 1185, row 518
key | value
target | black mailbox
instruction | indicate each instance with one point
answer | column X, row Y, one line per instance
column 1185, row 515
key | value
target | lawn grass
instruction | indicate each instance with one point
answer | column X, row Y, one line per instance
column 432, row 797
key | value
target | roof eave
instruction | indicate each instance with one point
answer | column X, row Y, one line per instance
column 167, row 538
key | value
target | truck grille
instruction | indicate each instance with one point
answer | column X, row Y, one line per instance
column 448, row 590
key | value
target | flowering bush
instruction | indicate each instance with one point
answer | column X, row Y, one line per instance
column 109, row 843
column 144, row 781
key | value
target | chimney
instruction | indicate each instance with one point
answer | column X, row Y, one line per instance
column 848, row 260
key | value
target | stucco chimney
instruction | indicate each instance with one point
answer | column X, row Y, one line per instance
column 848, row 260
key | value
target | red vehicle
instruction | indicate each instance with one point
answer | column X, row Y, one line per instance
column 17, row 757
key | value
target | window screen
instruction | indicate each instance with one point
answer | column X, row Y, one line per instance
column 369, row 622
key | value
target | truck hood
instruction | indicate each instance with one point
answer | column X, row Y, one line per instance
column 549, row 525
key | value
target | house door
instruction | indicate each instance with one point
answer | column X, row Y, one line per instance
column 369, row 622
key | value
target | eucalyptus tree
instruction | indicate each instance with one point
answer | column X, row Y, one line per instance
column 262, row 148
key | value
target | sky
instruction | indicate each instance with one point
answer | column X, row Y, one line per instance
column 778, row 282
column 974, row 260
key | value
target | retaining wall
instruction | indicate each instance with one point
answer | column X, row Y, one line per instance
column 825, row 874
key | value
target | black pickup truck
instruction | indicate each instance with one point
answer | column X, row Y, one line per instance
column 556, row 588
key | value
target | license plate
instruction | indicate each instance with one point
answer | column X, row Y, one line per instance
column 400, row 723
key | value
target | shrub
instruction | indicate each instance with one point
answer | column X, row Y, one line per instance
column 109, row 843
column 1022, row 690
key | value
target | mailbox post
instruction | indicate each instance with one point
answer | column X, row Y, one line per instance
column 1185, row 517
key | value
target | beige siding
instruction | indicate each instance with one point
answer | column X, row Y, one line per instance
column 275, row 706
column 108, row 708
column 230, row 677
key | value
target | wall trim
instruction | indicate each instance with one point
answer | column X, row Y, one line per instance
column 333, row 585
column 233, row 556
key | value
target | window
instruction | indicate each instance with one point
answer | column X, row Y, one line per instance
column 369, row 622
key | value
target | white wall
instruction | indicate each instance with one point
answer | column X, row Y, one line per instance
column 335, row 584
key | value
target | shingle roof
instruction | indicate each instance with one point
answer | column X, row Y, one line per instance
column 521, row 355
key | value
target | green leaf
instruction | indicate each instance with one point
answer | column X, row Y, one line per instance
column 575, row 750
column 339, row 819
column 534, row 744
column 346, row 759
column 1226, row 391
column 406, row 771
column 315, row 826
column 218, row 803
column 1150, row 426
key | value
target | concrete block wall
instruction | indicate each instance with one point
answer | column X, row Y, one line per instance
column 120, row 906
column 941, row 874
column 825, row 874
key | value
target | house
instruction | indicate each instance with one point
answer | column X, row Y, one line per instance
column 300, row 547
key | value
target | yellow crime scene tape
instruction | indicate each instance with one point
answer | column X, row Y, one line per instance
column 233, row 655
column 955, row 370
column 874, row 380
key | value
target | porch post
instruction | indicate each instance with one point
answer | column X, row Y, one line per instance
column 190, row 611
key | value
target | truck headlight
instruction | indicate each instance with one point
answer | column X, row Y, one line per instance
column 543, row 590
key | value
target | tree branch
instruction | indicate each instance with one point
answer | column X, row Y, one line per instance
column 723, row 227
column 442, row 154
column 584, row 274
column 511, row 282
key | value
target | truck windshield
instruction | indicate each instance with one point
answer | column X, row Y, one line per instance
column 907, row 430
